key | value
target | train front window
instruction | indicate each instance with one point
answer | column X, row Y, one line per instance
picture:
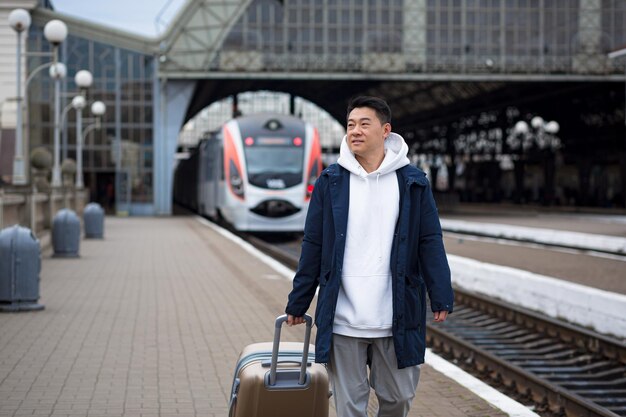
column 274, row 163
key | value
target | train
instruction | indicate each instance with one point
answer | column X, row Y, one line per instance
column 256, row 172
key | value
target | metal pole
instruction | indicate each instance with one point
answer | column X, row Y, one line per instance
column 117, row 150
column 26, row 137
column 56, row 169
column 79, row 149
column 63, row 141
column 63, row 126
column 18, row 162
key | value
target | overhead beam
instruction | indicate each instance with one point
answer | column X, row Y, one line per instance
column 391, row 77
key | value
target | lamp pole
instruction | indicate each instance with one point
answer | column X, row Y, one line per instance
column 518, row 141
column 56, row 32
column 57, row 72
column 83, row 80
column 97, row 109
column 78, row 103
column 523, row 138
column 19, row 19
column 547, row 142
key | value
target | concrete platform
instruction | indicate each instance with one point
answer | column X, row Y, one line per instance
column 596, row 270
column 150, row 321
column 583, row 286
column 603, row 222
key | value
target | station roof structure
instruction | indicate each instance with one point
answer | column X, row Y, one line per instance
column 433, row 64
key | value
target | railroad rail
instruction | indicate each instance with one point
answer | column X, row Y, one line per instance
column 563, row 369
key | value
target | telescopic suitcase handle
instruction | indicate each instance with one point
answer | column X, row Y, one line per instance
column 305, row 351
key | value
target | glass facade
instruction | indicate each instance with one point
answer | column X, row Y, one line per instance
column 123, row 80
column 513, row 36
column 309, row 34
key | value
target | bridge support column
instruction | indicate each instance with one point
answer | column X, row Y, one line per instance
column 171, row 99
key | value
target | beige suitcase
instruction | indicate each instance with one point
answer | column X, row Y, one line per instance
column 279, row 379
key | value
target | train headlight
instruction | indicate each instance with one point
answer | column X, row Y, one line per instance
column 235, row 180
column 309, row 187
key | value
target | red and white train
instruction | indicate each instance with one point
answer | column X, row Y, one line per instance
column 257, row 172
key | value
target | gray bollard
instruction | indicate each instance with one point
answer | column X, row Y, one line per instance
column 65, row 234
column 93, row 219
column 20, row 264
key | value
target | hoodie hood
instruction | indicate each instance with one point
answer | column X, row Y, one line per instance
column 396, row 151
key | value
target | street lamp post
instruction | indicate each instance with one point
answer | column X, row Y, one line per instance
column 547, row 142
column 542, row 136
column 97, row 109
column 83, row 80
column 57, row 73
column 19, row 19
column 78, row 103
column 519, row 141
column 55, row 32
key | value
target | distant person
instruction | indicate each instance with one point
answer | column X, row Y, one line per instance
column 373, row 245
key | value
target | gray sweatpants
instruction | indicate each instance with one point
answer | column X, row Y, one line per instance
column 394, row 388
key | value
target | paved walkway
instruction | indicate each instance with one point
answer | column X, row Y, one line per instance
column 150, row 322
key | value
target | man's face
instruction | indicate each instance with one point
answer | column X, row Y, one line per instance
column 365, row 133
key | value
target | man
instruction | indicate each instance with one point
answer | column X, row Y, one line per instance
column 373, row 245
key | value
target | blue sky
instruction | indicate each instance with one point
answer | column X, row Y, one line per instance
column 135, row 16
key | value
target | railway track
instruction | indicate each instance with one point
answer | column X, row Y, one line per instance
column 563, row 370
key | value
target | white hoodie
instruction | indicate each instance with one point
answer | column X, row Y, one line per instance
column 364, row 307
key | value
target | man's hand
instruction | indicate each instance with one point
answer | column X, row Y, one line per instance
column 291, row 320
column 440, row 315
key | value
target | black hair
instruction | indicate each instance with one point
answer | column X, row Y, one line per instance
column 380, row 106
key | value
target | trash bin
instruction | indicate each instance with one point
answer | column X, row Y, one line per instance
column 93, row 219
column 20, row 264
column 65, row 234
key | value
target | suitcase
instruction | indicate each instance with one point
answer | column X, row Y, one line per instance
column 280, row 379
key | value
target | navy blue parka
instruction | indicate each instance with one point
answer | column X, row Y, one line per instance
column 418, row 261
